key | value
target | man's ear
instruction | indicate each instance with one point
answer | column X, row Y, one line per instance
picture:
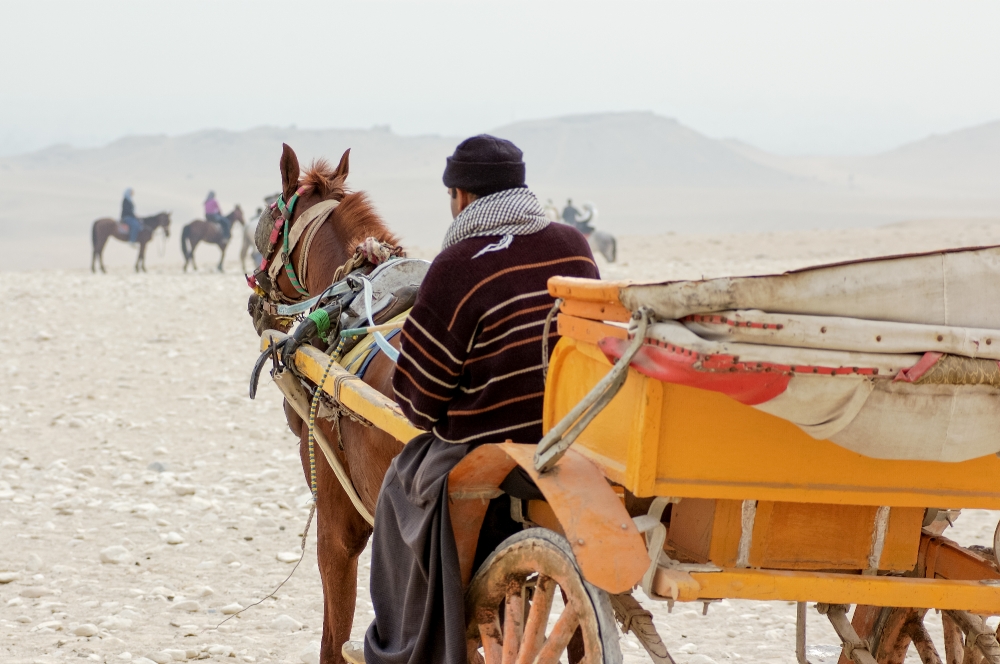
column 465, row 199
column 289, row 166
column 344, row 166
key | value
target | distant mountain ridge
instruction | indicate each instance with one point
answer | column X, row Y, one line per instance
column 646, row 174
column 630, row 149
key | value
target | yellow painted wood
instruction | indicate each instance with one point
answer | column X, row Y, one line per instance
column 846, row 589
column 711, row 446
column 586, row 290
column 356, row 395
column 641, row 464
column 791, row 535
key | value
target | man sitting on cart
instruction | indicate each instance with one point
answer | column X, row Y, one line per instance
column 469, row 373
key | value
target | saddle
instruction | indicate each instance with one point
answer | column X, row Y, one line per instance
column 394, row 285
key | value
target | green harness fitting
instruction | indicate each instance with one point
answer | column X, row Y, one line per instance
column 322, row 320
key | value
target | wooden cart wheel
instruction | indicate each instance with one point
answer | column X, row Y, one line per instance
column 891, row 630
column 511, row 597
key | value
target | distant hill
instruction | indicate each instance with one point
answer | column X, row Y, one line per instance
column 646, row 174
column 964, row 161
column 961, row 163
column 633, row 149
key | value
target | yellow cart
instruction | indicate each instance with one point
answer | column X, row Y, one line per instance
column 695, row 497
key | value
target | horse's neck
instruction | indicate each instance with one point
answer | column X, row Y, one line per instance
column 327, row 253
column 336, row 240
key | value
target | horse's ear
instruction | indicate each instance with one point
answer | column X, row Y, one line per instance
column 344, row 166
column 289, row 171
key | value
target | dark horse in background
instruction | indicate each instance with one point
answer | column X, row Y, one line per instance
column 106, row 227
column 365, row 452
column 208, row 231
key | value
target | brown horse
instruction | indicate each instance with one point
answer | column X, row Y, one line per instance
column 365, row 452
column 207, row 231
column 106, row 227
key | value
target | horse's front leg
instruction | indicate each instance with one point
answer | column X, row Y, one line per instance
column 222, row 257
column 341, row 536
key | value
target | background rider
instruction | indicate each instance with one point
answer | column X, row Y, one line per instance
column 129, row 218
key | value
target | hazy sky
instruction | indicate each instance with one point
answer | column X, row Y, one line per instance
column 792, row 77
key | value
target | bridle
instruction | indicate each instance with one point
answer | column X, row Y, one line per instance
column 279, row 216
column 277, row 255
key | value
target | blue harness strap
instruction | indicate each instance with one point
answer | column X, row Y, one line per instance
column 371, row 356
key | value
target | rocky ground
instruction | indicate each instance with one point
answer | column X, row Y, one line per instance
column 145, row 501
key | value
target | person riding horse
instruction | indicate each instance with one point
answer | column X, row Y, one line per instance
column 575, row 218
column 213, row 213
column 128, row 216
column 469, row 372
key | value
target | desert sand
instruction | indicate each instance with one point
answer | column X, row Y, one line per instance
column 144, row 498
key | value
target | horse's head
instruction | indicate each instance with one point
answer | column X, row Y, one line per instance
column 161, row 220
column 321, row 183
column 238, row 215
column 334, row 238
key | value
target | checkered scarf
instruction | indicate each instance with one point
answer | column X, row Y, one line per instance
column 507, row 212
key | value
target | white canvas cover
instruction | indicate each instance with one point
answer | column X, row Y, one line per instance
column 895, row 318
column 956, row 287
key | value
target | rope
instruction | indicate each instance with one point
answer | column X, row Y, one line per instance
column 302, row 552
column 545, row 337
column 369, row 251
column 565, row 432
column 313, row 407
column 352, row 264
column 298, row 398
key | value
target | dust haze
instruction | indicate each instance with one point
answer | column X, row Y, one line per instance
column 144, row 497
column 647, row 175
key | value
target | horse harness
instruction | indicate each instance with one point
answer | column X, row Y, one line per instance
column 370, row 253
column 278, row 217
column 284, row 237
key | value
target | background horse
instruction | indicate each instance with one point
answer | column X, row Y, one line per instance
column 249, row 246
column 208, row 231
column 365, row 452
column 106, row 227
column 249, row 237
column 599, row 240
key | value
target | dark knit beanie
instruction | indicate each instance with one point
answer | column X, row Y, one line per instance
column 484, row 165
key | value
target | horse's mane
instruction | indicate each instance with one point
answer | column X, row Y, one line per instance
column 356, row 216
column 153, row 217
column 322, row 179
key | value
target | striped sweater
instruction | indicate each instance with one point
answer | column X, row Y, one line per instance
column 470, row 363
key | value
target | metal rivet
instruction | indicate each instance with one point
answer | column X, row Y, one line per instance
column 989, row 341
column 624, row 526
column 940, row 338
column 579, row 541
column 822, row 330
column 878, row 338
